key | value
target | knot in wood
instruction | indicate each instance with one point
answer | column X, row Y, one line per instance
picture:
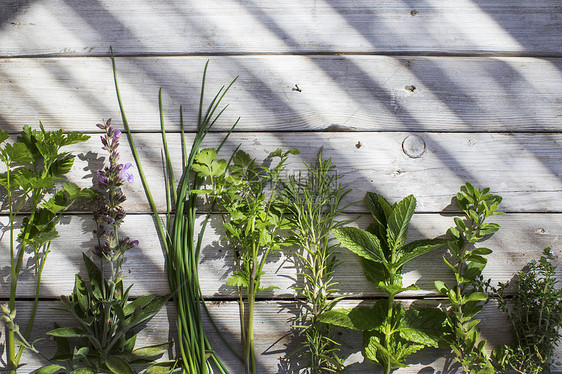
column 413, row 146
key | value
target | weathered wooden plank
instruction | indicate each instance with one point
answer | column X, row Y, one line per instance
column 521, row 239
column 275, row 345
column 523, row 168
column 70, row 28
column 292, row 93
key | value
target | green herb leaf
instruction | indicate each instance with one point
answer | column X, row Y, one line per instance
column 83, row 371
column 361, row 243
column 379, row 207
column 417, row 248
column 151, row 351
column 399, row 221
column 50, row 369
column 68, row 332
column 119, row 366
column 477, row 296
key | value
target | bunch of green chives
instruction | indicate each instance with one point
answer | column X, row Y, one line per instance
column 181, row 246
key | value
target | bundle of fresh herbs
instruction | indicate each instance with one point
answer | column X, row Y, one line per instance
column 535, row 313
column 182, row 245
column 314, row 200
column 390, row 332
column 253, row 214
column 467, row 262
column 104, row 342
column 33, row 166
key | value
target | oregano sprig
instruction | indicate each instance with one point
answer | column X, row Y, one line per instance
column 467, row 263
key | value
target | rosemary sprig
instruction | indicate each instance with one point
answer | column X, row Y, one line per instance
column 313, row 202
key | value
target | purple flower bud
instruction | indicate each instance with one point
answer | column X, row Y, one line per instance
column 104, row 141
column 102, row 179
column 116, row 135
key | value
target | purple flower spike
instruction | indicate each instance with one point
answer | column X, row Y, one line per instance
column 126, row 175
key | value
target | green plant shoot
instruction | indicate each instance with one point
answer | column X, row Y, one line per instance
column 313, row 201
column 104, row 341
column 467, row 263
column 535, row 314
column 180, row 241
column 253, row 217
column 390, row 333
column 33, row 166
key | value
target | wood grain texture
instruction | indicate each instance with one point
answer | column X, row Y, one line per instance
column 291, row 93
column 71, row 28
column 523, row 168
column 275, row 342
column 521, row 239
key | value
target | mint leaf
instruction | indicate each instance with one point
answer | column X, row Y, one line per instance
column 399, row 221
column 361, row 243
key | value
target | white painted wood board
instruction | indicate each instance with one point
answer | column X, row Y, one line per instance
column 74, row 28
column 291, row 93
column 521, row 239
column 525, row 169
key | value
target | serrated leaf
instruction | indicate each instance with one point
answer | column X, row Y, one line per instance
column 18, row 153
column 61, row 165
column 379, row 207
column 50, row 369
column 376, row 352
column 237, row 280
column 423, row 326
column 418, row 248
column 361, row 243
column 151, row 351
column 206, row 156
column 395, row 289
column 3, row 136
column 202, row 170
column 375, row 272
column 119, row 366
column 399, row 220
column 358, row 318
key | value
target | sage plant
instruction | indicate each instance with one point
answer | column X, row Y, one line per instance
column 105, row 340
